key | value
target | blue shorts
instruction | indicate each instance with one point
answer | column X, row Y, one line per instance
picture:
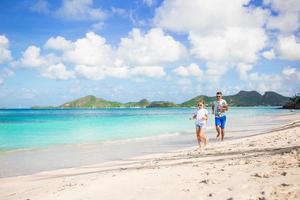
column 220, row 121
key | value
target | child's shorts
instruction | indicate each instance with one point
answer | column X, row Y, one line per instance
column 200, row 125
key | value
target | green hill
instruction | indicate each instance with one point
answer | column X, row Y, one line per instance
column 274, row 99
column 91, row 101
column 244, row 98
column 142, row 103
column 157, row 104
column 193, row 102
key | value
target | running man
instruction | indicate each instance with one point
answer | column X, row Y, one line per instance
column 219, row 107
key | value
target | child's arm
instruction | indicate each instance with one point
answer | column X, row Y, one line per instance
column 205, row 117
column 194, row 116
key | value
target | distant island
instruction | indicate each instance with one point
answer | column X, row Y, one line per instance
column 242, row 98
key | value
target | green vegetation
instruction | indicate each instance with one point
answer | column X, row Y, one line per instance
column 43, row 107
column 243, row 98
column 91, row 101
column 294, row 103
column 157, row 104
column 141, row 104
column 193, row 102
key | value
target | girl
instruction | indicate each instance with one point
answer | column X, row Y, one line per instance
column 201, row 116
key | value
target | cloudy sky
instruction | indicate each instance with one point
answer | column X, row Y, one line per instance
column 55, row 51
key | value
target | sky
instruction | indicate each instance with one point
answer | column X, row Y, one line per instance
column 55, row 51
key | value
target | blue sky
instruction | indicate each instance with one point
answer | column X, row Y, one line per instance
column 55, row 51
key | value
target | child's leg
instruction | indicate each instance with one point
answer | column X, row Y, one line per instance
column 198, row 135
column 202, row 136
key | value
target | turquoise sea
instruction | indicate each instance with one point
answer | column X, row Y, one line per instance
column 31, row 128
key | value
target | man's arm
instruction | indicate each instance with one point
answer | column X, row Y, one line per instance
column 225, row 107
column 213, row 108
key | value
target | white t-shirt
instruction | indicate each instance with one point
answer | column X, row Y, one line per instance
column 200, row 113
column 218, row 105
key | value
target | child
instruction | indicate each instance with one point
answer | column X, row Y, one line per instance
column 201, row 117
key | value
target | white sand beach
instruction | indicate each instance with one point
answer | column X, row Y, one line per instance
column 264, row 166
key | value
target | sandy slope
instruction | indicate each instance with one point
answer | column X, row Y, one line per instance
column 264, row 166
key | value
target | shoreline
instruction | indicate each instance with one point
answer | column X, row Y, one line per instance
column 262, row 166
column 15, row 162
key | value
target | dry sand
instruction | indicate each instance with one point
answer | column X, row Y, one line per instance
column 265, row 166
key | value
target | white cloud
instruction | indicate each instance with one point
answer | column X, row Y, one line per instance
column 90, row 72
column 269, row 54
column 289, row 48
column 28, row 93
column 288, row 15
column 232, row 45
column 191, row 70
column 155, row 47
column 119, row 11
column 149, row 71
column 206, row 16
column 58, row 72
column 265, row 82
column 41, row 6
column 89, row 57
column 118, row 72
column 80, row 10
column 291, row 73
column 31, row 57
column 99, row 73
column 5, row 54
column 97, row 26
column 58, row 43
column 214, row 71
column 90, row 50
column 149, row 3
column 243, row 69
column 284, row 82
column 287, row 22
column 284, row 6
column 222, row 33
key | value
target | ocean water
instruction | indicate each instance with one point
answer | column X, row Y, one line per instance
column 30, row 128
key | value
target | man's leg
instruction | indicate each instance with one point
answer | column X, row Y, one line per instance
column 223, row 121
column 218, row 128
column 222, row 134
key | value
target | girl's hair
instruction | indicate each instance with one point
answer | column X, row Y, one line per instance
column 201, row 101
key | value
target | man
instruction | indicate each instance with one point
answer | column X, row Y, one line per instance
column 218, row 109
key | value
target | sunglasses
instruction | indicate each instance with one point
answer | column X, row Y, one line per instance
column 218, row 96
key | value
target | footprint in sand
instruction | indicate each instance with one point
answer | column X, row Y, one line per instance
column 205, row 181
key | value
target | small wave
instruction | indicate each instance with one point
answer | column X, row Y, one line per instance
column 144, row 139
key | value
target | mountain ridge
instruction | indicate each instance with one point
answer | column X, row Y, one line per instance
column 242, row 98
